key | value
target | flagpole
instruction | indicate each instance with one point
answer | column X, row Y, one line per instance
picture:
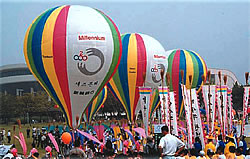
column 209, row 102
column 182, row 82
column 242, row 126
column 191, row 104
column 225, row 83
column 168, row 82
column 221, row 97
column 164, row 100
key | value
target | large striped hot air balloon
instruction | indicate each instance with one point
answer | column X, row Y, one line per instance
column 95, row 105
column 72, row 51
column 142, row 56
column 192, row 64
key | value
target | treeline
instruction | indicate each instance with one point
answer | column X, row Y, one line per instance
column 38, row 106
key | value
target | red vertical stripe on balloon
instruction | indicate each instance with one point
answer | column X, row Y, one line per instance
column 141, row 66
column 176, row 73
column 60, row 55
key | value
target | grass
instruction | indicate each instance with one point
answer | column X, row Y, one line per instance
column 28, row 140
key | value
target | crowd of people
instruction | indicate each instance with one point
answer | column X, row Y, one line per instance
column 126, row 145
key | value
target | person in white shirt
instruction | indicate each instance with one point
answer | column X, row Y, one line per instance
column 169, row 144
column 9, row 136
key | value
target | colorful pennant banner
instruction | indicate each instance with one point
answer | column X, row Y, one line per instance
column 145, row 93
column 187, row 107
column 173, row 114
column 245, row 106
column 196, row 117
column 164, row 98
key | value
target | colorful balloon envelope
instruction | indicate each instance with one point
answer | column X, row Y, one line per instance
column 192, row 64
column 95, row 105
column 72, row 51
column 142, row 60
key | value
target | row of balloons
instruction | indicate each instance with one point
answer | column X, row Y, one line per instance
column 74, row 51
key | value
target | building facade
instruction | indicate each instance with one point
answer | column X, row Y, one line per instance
column 231, row 78
column 16, row 79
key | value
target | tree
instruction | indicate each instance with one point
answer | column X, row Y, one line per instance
column 237, row 96
column 7, row 107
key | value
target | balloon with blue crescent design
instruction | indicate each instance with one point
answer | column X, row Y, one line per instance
column 72, row 51
column 143, row 58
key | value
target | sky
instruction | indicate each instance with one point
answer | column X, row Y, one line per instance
column 218, row 31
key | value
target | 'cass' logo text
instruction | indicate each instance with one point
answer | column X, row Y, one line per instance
column 84, row 57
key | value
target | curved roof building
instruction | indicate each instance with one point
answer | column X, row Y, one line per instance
column 17, row 79
column 231, row 78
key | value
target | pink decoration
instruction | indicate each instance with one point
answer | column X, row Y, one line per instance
column 99, row 129
column 24, row 143
column 140, row 131
column 48, row 149
column 53, row 141
column 90, row 137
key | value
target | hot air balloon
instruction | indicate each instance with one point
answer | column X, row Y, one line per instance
column 95, row 105
column 72, row 51
column 142, row 57
column 192, row 64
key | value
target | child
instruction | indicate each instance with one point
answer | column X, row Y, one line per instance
column 193, row 153
column 239, row 154
column 231, row 154
column 201, row 155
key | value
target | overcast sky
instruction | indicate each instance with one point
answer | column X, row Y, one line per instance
column 218, row 31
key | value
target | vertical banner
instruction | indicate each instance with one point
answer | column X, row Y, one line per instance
column 163, row 93
column 173, row 114
column 187, row 106
column 229, row 100
column 245, row 106
column 206, row 96
column 145, row 100
column 222, row 105
column 210, row 107
column 197, row 124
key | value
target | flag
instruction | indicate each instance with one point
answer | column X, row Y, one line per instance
column 209, row 96
column 187, row 107
column 196, row 116
column 245, row 106
column 222, row 103
column 164, row 98
column 173, row 114
column 145, row 93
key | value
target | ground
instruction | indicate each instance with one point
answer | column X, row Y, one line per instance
column 29, row 140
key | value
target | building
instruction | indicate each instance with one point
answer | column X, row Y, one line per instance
column 231, row 78
column 16, row 79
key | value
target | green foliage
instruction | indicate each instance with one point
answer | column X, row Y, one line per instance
column 26, row 106
column 237, row 96
column 7, row 107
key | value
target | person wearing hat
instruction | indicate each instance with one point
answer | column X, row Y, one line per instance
column 209, row 145
column 231, row 154
column 48, row 150
column 229, row 144
column 14, row 152
column 201, row 155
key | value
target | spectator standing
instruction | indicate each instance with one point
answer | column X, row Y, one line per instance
column 209, row 145
column 9, row 136
column 169, row 144
column 28, row 132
